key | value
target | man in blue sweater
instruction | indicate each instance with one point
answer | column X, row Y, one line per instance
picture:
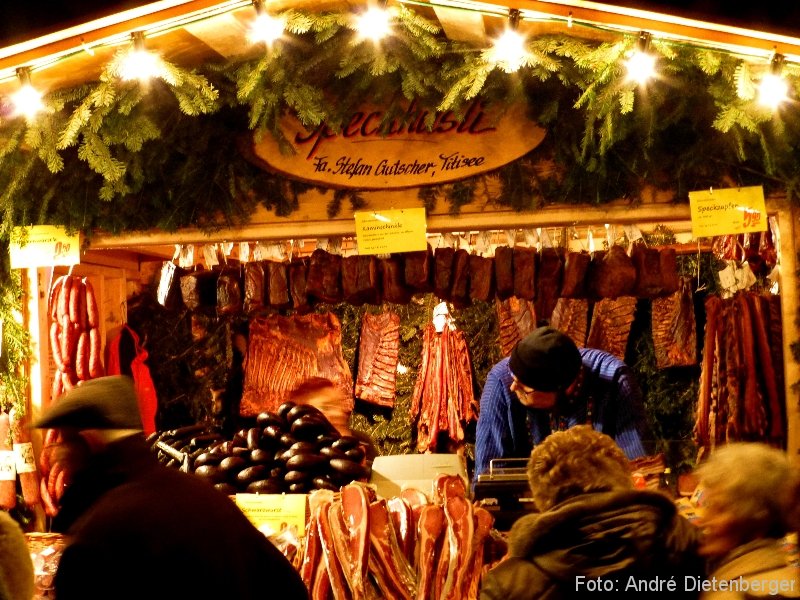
column 548, row 384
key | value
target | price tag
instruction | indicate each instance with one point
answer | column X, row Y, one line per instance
column 8, row 466
column 24, row 458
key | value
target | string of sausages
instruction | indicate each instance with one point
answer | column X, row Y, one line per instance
column 76, row 348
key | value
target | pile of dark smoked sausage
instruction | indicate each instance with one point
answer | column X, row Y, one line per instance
column 294, row 449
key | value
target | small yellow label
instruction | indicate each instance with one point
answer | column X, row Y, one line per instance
column 387, row 231
column 273, row 513
column 729, row 210
column 43, row 246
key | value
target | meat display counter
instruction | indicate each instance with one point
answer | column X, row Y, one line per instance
column 504, row 491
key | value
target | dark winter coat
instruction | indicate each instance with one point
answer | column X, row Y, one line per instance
column 627, row 538
column 137, row 529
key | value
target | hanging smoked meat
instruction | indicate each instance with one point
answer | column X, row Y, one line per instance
column 516, row 318
column 548, row 281
column 229, row 292
column 282, row 352
column 324, row 281
column 394, row 285
column 571, row 316
column 443, row 271
column 360, row 280
column 278, row 286
column 443, row 401
column 611, row 274
column 459, row 286
column 298, row 273
column 418, row 270
column 647, row 262
column 576, row 268
column 254, row 287
column 611, row 325
column 674, row 328
column 670, row 278
column 481, row 277
column 199, row 290
column 378, row 350
column 524, row 269
column 504, row 272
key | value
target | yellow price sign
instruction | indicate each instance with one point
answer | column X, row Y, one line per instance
column 387, row 231
column 726, row 211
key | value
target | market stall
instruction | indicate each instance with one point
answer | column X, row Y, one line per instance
column 240, row 269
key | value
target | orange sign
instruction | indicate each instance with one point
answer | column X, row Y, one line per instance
column 372, row 152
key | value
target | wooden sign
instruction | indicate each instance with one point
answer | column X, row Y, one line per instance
column 371, row 153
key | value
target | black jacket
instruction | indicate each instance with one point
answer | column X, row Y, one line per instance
column 625, row 537
column 137, row 529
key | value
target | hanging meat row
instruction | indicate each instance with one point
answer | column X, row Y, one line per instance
column 454, row 275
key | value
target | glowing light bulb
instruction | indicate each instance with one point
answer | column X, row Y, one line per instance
column 509, row 51
column 773, row 89
column 267, row 28
column 139, row 63
column 27, row 101
column 641, row 65
column 374, row 24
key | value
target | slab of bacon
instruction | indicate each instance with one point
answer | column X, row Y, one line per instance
column 282, row 352
column 378, row 350
column 443, row 400
column 516, row 318
column 674, row 328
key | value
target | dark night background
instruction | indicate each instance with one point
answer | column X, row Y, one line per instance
column 27, row 19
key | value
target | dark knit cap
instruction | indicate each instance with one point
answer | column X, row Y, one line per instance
column 102, row 403
column 546, row 360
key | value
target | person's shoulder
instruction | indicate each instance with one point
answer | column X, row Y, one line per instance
column 596, row 359
column 500, row 369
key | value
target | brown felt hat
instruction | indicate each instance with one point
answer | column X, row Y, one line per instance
column 102, row 403
column 546, row 360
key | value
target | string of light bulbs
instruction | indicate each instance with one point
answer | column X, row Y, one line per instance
column 507, row 52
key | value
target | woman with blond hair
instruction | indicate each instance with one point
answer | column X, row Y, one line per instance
column 594, row 532
column 748, row 501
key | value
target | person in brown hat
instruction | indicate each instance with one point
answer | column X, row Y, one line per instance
column 549, row 384
column 138, row 529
